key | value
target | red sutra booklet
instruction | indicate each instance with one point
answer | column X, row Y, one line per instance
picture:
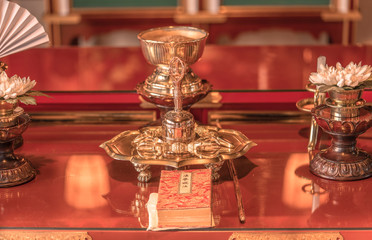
column 184, row 199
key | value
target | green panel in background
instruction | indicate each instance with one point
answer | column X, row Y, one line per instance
column 123, row 3
column 277, row 2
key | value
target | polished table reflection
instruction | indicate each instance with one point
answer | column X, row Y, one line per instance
column 80, row 188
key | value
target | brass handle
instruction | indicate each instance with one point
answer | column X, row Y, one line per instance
column 311, row 87
column 301, row 104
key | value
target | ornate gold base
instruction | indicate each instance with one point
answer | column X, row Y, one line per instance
column 144, row 173
column 229, row 144
column 21, row 172
column 358, row 166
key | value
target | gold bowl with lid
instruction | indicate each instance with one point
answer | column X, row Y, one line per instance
column 160, row 46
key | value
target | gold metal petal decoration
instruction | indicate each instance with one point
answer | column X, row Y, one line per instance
column 230, row 143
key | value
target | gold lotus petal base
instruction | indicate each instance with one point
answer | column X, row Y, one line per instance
column 121, row 148
column 358, row 166
column 20, row 173
column 144, row 173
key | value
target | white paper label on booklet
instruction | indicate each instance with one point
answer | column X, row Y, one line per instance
column 185, row 182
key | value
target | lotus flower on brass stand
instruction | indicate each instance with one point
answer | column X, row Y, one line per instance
column 14, row 169
column 344, row 116
column 20, row 30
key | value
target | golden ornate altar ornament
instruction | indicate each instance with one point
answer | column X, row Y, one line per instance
column 179, row 141
column 344, row 116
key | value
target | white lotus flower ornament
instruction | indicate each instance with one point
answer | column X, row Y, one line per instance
column 18, row 89
column 353, row 76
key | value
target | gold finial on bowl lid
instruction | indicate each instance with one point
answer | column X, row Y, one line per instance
column 3, row 66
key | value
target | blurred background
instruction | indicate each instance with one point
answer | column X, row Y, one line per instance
column 229, row 22
column 252, row 44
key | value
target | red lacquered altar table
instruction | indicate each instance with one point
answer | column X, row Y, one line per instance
column 79, row 188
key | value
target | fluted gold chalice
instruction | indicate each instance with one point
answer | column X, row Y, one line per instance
column 160, row 46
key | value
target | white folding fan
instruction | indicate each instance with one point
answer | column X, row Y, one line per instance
column 19, row 30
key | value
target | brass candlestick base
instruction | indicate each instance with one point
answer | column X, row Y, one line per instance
column 344, row 119
column 145, row 147
column 342, row 161
column 14, row 170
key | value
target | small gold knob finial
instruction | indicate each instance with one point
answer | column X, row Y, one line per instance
column 3, row 67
